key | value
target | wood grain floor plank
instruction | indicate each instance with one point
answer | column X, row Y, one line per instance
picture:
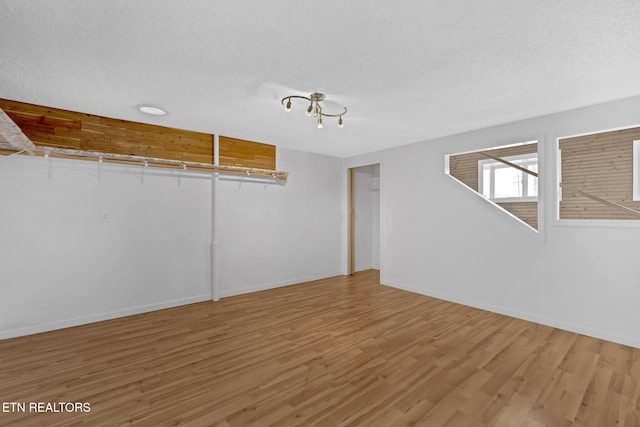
column 342, row 351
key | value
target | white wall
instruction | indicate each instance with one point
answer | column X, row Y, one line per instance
column 60, row 266
column 367, row 218
column 273, row 236
column 442, row 240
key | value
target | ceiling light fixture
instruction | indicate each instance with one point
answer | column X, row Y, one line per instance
column 151, row 110
column 314, row 107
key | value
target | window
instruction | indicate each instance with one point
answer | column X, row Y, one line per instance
column 502, row 183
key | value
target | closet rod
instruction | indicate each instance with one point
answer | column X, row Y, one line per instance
column 127, row 158
column 12, row 154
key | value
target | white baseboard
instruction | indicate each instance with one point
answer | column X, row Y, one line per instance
column 263, row 287
column 61, row 324
column 67, row 323
column 571, row 327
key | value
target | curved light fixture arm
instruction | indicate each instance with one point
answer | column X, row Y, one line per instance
column 334, row 115
column 293, row 96
column 314, row 105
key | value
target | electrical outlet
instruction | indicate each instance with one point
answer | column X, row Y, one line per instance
column 105, row 216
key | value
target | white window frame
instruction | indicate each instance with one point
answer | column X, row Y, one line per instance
column 497, row 164
column 636, row 170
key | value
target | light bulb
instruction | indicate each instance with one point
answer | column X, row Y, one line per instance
column 320, row 122
column 288, row 107
column 340, row 125
column 309, row 110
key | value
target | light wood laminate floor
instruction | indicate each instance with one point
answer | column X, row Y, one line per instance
column 338, row 351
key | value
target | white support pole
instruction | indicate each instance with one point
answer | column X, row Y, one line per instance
column 145, row 165
column 215, row 250
column 49, row 167
column 184, row 168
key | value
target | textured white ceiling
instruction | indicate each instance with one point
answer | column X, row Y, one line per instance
column 406, row 70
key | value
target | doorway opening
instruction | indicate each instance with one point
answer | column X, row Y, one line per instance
column 364, row 218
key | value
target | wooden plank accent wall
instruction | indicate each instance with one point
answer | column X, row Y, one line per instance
column 464, row 167
column 526, row 211
column 53, row 127
column 602, row 165
column 238, row 152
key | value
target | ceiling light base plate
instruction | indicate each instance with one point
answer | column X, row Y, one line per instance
column 316, row 97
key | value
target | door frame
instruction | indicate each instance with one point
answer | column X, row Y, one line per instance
column 351, row 233
column 351, row 268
